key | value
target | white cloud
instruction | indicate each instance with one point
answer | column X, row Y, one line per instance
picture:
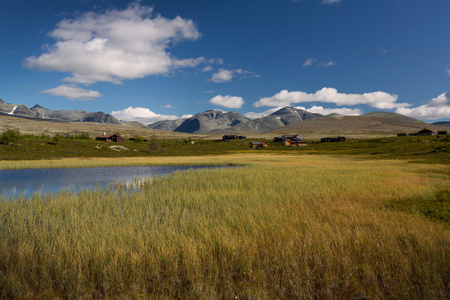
column 169, row 106
column 436, row 108
column 309, row 62
column 223, row 75
column 322, row 64
column 73, row 92
column 255, row 115
column 208, row 68
column 448, row 71
column 380, row 100
column 313, row 109
column 142, row 115
column 116, row 45
column 216, row 61
column 326, row 111
column 227, row 101
column 188, row 62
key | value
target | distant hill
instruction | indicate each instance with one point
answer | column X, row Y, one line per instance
column 210, row 120
column 51, row 127
column 371, row 124
column 40, row 112
column 442, row 123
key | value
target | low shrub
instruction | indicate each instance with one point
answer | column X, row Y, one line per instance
column 10, row 136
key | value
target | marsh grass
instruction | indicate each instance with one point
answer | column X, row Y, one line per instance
column 294, row 227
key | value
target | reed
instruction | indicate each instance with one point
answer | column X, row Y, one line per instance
column 283, row 226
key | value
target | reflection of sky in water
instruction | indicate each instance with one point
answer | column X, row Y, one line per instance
column 28, row 181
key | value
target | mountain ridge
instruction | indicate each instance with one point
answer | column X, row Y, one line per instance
column 39, row 112
column 286, row 120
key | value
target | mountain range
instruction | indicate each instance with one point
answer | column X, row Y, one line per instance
column 286, row 120
column 39, row 112
column 215, row 121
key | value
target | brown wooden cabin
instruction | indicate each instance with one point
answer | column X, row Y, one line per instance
column 114, row 137
column 299, row 143
column 257, row 145
column 424, row 132
column 286, row 143
column 233, row 137
column 419, row 133
column 328, row 139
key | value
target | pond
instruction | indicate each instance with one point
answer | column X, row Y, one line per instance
column 25, row 182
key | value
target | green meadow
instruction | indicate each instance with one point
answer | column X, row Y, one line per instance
column 15, row 146
column 282, row 225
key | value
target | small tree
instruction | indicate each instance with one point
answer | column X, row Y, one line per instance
column 138, row 140
column 10, row 136
column 56, row 139
column 84, row 136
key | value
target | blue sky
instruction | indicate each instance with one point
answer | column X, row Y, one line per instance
column 164, row 59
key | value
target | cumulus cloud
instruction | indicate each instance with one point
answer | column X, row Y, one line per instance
column 208, row 68
column 436, row 108
column 227, row 101
column 143, row 115
column 223, row 75
column 380, row 100
column 326, row 111
column 116, row 45
column 73, row 92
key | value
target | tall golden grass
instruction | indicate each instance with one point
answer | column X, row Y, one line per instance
column 295, row 227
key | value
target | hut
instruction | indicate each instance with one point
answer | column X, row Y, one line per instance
column 283, row 138
column 257, row 145
column 113, row 137
column 298, row 143
column 425, row 132
column 421, row 132
column 233, row 137
column 286, row 143
column 328, row 139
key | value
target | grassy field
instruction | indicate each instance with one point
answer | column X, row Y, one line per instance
column 285, row 226
column 31, row 147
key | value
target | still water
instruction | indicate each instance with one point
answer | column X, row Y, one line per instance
column 25, row 182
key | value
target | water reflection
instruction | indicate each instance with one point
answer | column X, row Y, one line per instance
column 25, row 182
